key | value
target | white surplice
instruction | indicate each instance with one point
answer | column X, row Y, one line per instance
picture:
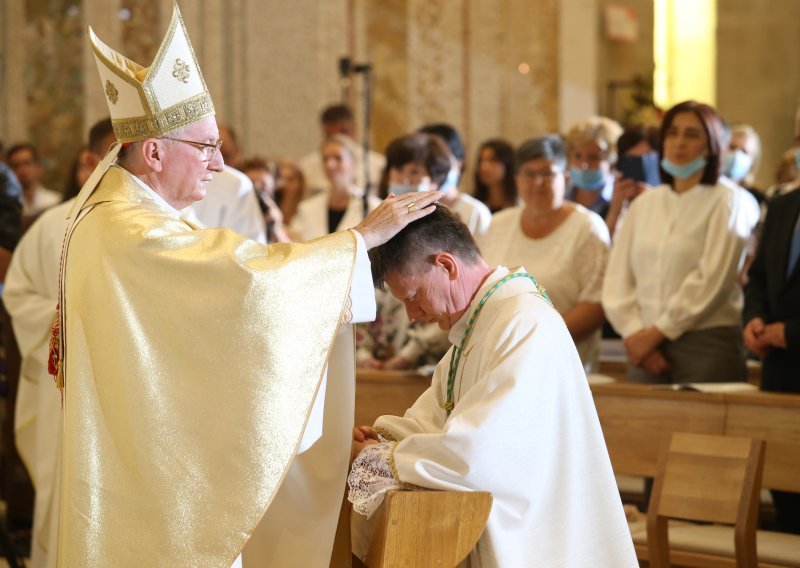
column 524, row 427
column 30, row 297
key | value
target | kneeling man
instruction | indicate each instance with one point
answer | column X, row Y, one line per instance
column 509, row 411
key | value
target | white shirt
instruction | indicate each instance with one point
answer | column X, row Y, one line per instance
column 473, row 213
column 231, row 202
column 675, row 260
column 43, row 198
column 311, row 219
column 569, row 262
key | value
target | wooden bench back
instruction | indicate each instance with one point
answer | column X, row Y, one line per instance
column 428, row 528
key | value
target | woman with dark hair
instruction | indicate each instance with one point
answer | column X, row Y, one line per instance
column 494, row 175
column 670, row 288
column 79, row 172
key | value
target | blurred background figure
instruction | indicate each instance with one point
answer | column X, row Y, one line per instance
column 472, row 212
column 341, row 206
column 339, row 119
column 262, row 173
column 24, row 161
column 290, row 188
column 591, row 151
column 494, row 175
column 637, row 168
column 671, row 286
column 563, row 244
column 743, row 158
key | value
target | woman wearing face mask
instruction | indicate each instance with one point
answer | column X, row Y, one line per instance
column 563, row 244
column 670, row 288
column 591, row 149
column 340, row 208
column 742, row 158
column 474, row 214
column 417, row 162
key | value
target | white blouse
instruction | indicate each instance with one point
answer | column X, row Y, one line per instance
column 675, row 261
column 569, row 262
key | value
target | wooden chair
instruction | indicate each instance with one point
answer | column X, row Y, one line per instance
column 706, row 478
column 428, row 528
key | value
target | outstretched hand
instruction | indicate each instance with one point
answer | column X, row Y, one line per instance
column 394, row 213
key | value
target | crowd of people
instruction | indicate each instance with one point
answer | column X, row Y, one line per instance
column 657, row 232
column 650, row 229
column 210, row 395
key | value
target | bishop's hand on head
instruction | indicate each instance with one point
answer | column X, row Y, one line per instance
column 394, row 213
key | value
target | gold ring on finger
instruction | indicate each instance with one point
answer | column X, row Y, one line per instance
column 412, row 207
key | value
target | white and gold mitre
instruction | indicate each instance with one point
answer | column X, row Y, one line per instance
column 149, row 102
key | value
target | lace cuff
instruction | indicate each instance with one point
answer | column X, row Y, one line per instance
column 371, row 477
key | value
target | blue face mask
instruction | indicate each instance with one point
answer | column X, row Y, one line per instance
column 452, row 180
column 593, row 180
column 737, row 165
column 685, row 171
column 403, row 188
column 797, row 160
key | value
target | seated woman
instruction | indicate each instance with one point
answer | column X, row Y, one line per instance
column 670, row 289
column 417, row 162
column 591, row 150
column 563, row 244
column 494, row 175
column 340, row 208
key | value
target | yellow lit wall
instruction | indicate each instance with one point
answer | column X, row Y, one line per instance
column 685, row 50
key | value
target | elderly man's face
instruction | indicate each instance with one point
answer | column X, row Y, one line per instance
column 186, row 171
column 427, row 296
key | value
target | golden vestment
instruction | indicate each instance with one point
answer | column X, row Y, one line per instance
column 192, row 359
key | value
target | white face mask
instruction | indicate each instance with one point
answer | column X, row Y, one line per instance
column 452, row 179
column 403, row 188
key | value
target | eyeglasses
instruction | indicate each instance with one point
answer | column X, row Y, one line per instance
column 540, row 176
column 209, row 150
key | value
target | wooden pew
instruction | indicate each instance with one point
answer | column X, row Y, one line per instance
column 637, row 418
column 774, row 418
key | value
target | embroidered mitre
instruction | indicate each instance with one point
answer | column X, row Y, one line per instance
column 147, row 102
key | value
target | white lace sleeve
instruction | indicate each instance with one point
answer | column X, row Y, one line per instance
column 371, row 477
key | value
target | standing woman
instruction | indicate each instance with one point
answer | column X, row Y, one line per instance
column 670, row 288
column 339, row 208
column 494, row 175
column 563, row 244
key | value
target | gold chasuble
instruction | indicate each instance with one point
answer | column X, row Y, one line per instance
column 192, row 359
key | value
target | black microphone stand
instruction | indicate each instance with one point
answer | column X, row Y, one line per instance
column 347, row 68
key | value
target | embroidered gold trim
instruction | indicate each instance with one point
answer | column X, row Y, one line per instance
column 347, row 311
column 386, row 434
column 177, row 116
column 396, row 475
column 111, row 92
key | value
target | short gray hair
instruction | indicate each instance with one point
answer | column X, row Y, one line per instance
column 550, row 148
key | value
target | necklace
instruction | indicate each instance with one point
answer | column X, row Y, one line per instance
column 455, row 357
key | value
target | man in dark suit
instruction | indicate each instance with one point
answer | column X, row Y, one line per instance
column 772, row 318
